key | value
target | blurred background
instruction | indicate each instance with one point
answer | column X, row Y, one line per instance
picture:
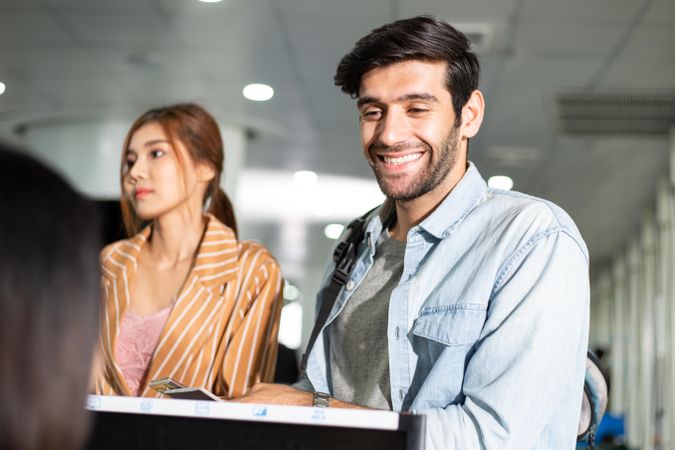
column 580, row 110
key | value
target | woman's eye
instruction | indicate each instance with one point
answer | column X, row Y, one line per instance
column 129, row 162
column 157, row 153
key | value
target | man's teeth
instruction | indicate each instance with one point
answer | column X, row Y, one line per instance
column 401, row 159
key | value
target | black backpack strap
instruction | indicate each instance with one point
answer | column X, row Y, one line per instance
column 594, row 402
column 345, row 259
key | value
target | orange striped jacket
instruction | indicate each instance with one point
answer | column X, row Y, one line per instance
column 222, row 331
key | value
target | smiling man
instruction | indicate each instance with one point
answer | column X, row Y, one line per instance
column 466, row 304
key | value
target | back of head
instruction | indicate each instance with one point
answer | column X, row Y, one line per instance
column 198, row 131
column 49, row 278
column 423, row 38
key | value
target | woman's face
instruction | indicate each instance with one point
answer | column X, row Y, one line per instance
column 153, row 178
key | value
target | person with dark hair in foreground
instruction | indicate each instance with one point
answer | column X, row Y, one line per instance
column 49, row 284
column 183, row 297
column 466, row 304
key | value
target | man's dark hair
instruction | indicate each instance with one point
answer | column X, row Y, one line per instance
column 424, row 38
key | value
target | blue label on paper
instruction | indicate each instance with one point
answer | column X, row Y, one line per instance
column 202, row 408
column 93, row 402
column 318, row 414
column 146, row 405
column 260, row 411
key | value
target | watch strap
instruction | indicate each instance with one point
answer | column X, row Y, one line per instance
column 321, row 400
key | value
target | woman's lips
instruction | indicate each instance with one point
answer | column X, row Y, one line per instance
column 140, row 193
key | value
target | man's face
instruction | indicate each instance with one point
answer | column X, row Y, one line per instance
column 407, row 127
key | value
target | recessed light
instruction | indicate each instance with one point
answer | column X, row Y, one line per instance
column 333, row 230
column 500, row 182
column 290, row 325
column 305, row 177
column 258, row 92
column 291, row 292
column 2, row 88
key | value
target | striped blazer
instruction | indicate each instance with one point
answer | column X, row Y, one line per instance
column 222, row 331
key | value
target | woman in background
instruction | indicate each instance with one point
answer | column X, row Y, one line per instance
column 182, row 297
column 49, row 282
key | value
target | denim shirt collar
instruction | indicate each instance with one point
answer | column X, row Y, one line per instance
column 464, row 197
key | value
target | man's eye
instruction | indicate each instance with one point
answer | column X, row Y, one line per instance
column 372, row 114
column 418, row 110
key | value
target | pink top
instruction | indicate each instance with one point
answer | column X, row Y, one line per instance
column 136, row 343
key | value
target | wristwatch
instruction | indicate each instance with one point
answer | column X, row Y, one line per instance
column 321, row 400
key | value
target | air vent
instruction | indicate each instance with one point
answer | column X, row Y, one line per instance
column 479, row 34
column 615, row 114
column 512, row 156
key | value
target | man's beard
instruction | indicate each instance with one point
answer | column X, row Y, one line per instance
column 428, row 177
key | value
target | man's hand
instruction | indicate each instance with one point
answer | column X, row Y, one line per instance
column 281, row 394
column 276, row 394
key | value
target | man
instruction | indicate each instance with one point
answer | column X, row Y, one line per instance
column 466, row 303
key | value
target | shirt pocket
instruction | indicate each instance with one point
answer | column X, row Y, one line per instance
column 443, row 338
column 451, row 325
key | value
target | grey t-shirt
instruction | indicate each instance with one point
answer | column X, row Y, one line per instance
column 359, row 357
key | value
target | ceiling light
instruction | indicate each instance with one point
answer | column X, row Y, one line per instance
column 258, row 92
column 333, row 230
column 2, row 87
column 500, row 182
column 319, row 203
column 210, row 1
column 291, row 292
column 290, row 325
column 305, row 177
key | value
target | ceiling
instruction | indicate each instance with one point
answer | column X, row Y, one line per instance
column 64, row 61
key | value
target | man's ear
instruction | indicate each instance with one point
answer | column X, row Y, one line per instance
column 472, row 114
column 205, row 172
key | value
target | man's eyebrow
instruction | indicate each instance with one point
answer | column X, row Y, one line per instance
column 407, row 97
column 365, row 100
column 418, row 96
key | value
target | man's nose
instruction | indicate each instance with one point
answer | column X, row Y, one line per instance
column 394, row 128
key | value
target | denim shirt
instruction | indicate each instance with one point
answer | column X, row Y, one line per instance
column 488, row 326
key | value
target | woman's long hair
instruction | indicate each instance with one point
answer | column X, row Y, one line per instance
column 197, row 130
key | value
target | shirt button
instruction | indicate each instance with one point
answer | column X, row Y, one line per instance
column 398, row 333
column 401, row 394
column 350, row 285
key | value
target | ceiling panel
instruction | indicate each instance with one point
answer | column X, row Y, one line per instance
column 376, row 10
column 122, row 29
column 565, row 39
column 653, row 43
column 230, row 33
column 243, row 9
column 629, row 75
column 582, row 11
column 97, row 4
column 660, row 11
column 9, row 5
column 18, row 94
column 460, row 10
column 30, row 26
